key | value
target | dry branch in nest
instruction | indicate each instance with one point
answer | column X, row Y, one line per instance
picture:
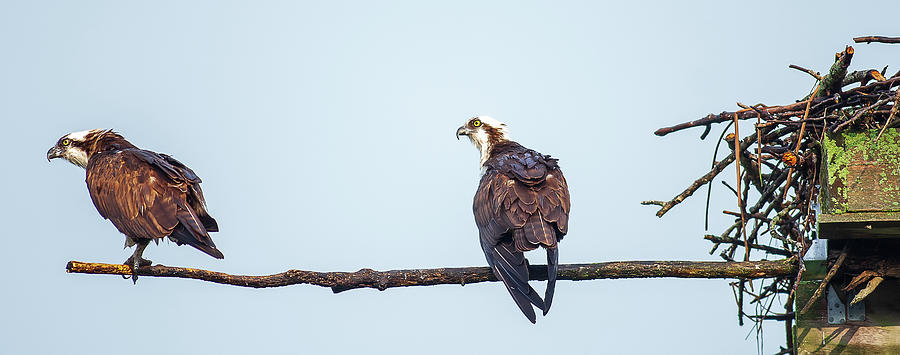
column 831, row 272
column 368, row 278
column 778, row 173
column 882, row 39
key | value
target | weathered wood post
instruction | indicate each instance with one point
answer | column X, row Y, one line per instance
column 860, row 214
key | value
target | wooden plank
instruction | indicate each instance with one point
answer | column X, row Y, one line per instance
column 860, row 178
column 861, row 174
column 848, row 339
column 878, row 334
column 853, row 225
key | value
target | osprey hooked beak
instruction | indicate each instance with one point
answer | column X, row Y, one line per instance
column 55, row 152
column 462, row 131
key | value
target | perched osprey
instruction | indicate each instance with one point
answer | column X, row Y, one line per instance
column 522, row 203
column 147, row 196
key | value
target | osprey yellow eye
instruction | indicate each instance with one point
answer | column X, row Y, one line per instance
column 66, row 142
column 476, row 123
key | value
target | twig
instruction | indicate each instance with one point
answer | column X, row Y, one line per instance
column 787, row 185
column 704, row 179
column 766, row 248
column 367, row 278
column 721, row 165
column 709, row 187
column 727, row 116
column 784, row 316
column 859, row 279
column 741, row 303
column 869, row 87
column 863, row 77
column 758, row 216
column 891, row 116
column 758, row 151
column 737, row 164
column 733, row 190
column 879, row 39
column 792, row 122
column 789, row 349
column 828, row 276
column 808, row 71
column 860, row 113
column 772, row 110
column 870, row 287
column 768, row 290
column 803, row 125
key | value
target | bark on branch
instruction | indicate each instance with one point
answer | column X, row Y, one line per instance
column 703, row 180
column 367, row 278
column 769, row 110
column 880, row 39
column 727, row 116
column 832, row 82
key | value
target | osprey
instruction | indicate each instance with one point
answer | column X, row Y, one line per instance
column 147, row 196
column 522, row 203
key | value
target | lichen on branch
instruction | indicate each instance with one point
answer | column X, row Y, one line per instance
column 368, row 278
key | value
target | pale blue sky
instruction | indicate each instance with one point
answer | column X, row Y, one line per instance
column 324, row 136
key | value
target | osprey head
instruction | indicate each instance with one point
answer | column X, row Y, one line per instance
column 75, row 147
column 484, row 132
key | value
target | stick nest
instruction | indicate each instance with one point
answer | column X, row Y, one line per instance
column 776, row 179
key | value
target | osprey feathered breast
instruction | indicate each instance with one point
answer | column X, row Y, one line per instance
column 147, row 196
column 522, row 203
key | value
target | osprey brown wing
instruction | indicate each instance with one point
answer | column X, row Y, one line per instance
column 522, row 189
column 147, row 197
column 131, row 194
column 195, row 197
column 180, row 173
column 521, row 203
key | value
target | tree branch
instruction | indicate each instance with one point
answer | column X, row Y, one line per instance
column 769, row 110
column 832, row 82
column 703, row 180
column 831, row 272
column 880, row 39
column 728, row 116
column 808, row 71
column 367, row 278
column 730, row 240
column 863, row 77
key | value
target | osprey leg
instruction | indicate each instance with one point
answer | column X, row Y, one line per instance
column 136, row 261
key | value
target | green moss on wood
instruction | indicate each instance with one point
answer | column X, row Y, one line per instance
column 861, row 174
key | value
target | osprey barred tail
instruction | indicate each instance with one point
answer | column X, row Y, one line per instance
column 147, row 196
column 522, row 203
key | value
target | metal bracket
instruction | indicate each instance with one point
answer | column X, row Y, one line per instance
column 856, row 312
column 817, row 251
column 839, row 313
